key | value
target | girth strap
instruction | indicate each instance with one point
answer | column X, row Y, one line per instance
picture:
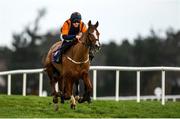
column 75, row 62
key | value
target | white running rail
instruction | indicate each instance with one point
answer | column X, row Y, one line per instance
column 138, row 71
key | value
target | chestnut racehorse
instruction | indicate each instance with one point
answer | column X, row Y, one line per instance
column 74, row 66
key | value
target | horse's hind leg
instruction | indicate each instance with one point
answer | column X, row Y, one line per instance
column 61, row 88
column 54, row 94
column 53, row 90
column 76, row 87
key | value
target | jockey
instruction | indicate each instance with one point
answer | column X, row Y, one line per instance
column 70, row 33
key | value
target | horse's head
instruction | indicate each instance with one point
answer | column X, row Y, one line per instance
column 92, row 39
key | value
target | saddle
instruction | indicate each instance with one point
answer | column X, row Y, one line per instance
column 56, row 46
column 60, row 48
column 50, row 54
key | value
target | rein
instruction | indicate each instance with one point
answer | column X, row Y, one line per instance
column 82, row 62
column 87, row 44
column 76, row 62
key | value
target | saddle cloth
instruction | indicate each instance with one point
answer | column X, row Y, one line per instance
column 54, row 48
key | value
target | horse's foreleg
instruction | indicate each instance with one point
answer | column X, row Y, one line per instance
column 69, row 92
column 77, row 90
column 88, row 89
column 68, row 86
column 87, row 82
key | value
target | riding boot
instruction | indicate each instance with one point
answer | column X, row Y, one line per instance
column 57, row 56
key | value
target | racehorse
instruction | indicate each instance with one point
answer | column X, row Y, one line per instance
column 74, row 66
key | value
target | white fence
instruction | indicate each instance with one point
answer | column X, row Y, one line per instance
column 138, row 71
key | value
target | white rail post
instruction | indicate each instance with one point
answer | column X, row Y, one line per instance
column 163, row 87
column 94, row 83
column 138, row 85
column 40, row 83
column 24, row 84
column 57, row 87
column 117, row 85
column 9, row 84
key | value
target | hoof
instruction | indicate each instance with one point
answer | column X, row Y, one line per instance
column 77, row 98
column 55, row 100
column 89, row 100
column 59, row 94
column 56, row 107
column 83, row 99
column 73, row 106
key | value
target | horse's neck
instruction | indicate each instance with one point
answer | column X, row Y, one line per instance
column 79, row 52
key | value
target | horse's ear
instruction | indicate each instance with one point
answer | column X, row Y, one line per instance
column 97, row 23
column 89, row 23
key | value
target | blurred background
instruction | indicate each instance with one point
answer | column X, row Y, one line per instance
column 132, row 33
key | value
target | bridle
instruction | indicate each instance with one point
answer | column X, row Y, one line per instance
column 91, row 42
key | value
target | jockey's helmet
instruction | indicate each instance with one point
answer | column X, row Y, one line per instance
column 75, row 17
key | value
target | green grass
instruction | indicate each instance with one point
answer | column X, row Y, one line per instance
column 42, row 107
